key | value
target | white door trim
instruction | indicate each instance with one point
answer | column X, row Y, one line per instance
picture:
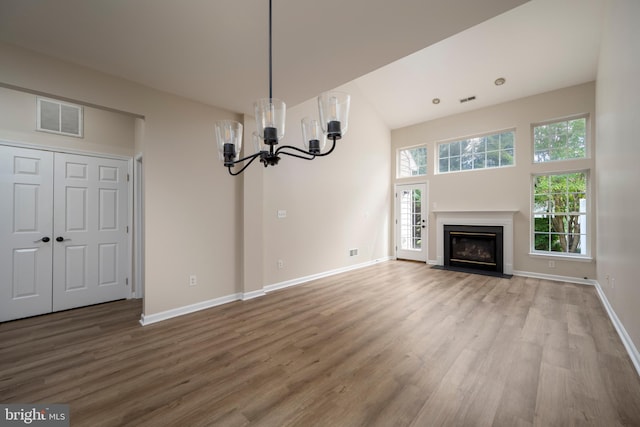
column 138, row 226
column 55, row 149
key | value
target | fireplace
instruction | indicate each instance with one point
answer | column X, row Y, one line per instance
column 492, row 218
column 473, row 247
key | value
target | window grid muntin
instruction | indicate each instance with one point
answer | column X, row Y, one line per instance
column 550, row 200
column 479, row 152
column 410, row 219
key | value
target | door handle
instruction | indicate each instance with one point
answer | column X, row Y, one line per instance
column 45, row 239
column 61, row 239
column 424, row 226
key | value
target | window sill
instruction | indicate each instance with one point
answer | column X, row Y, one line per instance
column 579, row 258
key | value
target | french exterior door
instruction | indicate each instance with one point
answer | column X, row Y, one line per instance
column 411, row 222
column 63, row 231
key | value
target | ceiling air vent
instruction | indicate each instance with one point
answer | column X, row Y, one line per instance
column 59, row 117
column 471, row 98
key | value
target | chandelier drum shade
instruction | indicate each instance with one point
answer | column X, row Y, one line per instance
column 270, row 114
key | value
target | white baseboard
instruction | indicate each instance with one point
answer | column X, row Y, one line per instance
column 622, row 332
column 554, row 277
column 300, row 280
column 253, row 294
column 175, row 312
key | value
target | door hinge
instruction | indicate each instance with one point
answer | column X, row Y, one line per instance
column 126, row 280
column 127, row 229
column 127, row 177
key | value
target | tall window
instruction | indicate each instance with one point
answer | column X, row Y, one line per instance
column 560, row 213
column 489, row 151
column 561, row 140
column 412, row 162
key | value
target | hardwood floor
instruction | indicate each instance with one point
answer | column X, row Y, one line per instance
column 395, row 344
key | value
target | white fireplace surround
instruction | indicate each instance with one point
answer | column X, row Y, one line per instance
column 503, row 218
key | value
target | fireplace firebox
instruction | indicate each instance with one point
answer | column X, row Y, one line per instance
column 473, row 247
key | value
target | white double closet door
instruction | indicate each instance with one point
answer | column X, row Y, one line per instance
column 63, row 231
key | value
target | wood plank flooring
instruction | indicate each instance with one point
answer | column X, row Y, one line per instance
column 395, row 344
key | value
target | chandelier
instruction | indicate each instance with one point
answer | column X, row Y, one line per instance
column 270, row 120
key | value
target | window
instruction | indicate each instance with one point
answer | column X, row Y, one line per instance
column 489, row 151
column 59, row 117
column 412, row 162
column 561, row 140
column 560, row 214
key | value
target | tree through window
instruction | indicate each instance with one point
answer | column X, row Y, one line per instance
column 561, row 140
column 412, row 162
column 560, row 213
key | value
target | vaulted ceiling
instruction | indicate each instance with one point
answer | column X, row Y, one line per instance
column 401, row 54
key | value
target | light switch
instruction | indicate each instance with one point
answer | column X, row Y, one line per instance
column 282, row 213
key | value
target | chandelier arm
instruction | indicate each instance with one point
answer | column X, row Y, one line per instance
column 333, row 146
column 252, row 157
column 282, row 147
column 298, row 156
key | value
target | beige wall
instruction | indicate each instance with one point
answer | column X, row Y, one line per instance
column 618, row 150
column 333, row 204
column 104, row 131
column 200, row 220
column 192, row 206
column 504, row 188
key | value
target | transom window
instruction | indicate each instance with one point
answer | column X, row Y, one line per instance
column 482, row 152
column 412, row 162
column 560, row 140
column 560, row 213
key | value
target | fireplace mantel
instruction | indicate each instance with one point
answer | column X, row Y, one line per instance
column 503, row 218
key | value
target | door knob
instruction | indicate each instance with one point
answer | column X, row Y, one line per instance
column 424, row 226
column 44, row 239
column 60, row 239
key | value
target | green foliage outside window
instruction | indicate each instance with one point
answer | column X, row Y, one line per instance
column 412, row 162
column 559, row 212
column 560, row 140
column 490, row 151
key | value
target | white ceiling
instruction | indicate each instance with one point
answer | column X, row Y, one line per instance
column 540, row 46
column 215, row 51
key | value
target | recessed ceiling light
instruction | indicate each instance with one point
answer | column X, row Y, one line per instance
column 500, row 81
column 436, row 100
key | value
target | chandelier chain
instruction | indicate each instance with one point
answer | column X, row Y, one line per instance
column 270, row 55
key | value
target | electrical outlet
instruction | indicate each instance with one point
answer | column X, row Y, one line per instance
column 552, row 264
column 193, row 280
column 280, row 263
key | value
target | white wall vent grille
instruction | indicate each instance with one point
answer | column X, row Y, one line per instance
column 59, row 117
